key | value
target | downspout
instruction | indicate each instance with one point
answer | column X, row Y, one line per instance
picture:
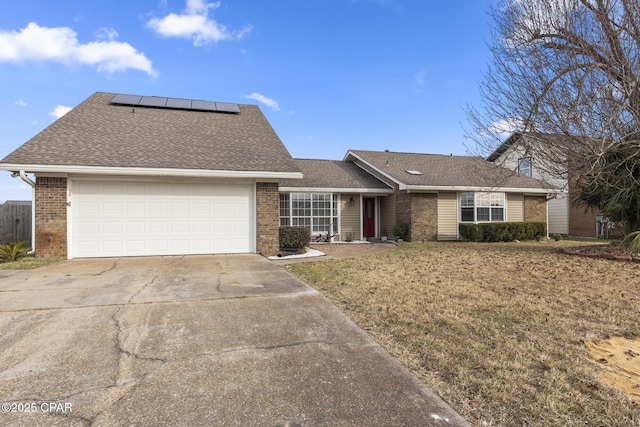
column 28, row 180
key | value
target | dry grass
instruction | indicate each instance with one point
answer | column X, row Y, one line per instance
column 27, row 263
column 498, row 330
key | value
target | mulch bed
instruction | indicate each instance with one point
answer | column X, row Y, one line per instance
column 610, row 252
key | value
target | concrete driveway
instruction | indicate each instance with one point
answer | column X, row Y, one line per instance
column 198, row 340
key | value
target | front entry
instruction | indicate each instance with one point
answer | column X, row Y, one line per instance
column 369, row 217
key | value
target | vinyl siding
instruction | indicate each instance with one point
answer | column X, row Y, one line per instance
column 559, row 214
column 350, row 217
column 515, row 208
column 447, row 216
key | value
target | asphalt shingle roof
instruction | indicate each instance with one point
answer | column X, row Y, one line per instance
column 443, row 170
column 97, row 133
column 333, row 174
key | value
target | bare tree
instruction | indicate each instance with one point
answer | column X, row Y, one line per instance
column 569, row 72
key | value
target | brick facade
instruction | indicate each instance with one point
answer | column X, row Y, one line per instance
column 267, row 218
column 535, row 209
column 51, row 217
column 424, row 218
column 420, row 212
column 581, row 223
column 403, row 211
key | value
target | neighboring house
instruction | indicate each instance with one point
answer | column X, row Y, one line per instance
column 521, row 153
column 124, row 175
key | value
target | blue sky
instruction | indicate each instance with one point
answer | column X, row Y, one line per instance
column 329, row 75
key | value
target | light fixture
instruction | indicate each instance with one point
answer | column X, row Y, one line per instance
column 351, row 201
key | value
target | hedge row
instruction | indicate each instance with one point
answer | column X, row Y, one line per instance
column 294, row 237
column 503, row 231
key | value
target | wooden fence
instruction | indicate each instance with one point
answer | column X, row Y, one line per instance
column 15, row 222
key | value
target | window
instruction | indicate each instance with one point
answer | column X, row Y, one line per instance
column 482, row 207
column 285, row 207
column 524, row 166
column 318, row 212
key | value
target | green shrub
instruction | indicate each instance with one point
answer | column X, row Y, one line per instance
column 503, row 231
column 400, row 230
column 632, row 241
column 470, row 232
column 14, row 251
column 294, row 237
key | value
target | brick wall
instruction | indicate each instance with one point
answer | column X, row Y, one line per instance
column 424, row 217
column 51, row 217
column 535, row 208
column 581, row 223
column 267, row 218
column 403, row 211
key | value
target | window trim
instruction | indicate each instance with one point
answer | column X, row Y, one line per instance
column 317, row 203
column 463, row 204
column 529, row 170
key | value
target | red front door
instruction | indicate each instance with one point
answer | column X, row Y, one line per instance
column 369, row 217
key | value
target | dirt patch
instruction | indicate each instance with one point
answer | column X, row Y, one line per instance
column 619, row 359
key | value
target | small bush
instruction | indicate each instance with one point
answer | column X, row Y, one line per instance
column 349, row 237
column 503, row 231
column 400, row 230
column 14, row 251
column 470, row 232
column 632, row 241
column 294, row 237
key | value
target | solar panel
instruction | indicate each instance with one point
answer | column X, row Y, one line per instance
column 203, row 105
column 126, row 99
column 153, row 101
column 181, row 104
column 175, row 103
column 227, row 107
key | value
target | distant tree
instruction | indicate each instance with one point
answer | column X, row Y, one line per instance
column 569, row 68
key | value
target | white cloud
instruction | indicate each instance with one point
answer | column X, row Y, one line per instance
column 35, row 43
column 264, row 100
column 60, row 111
column 505, row 127
column 106, row 34
column 21, row 103
column 195, row 24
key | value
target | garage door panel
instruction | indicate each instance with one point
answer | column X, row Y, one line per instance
column 135, row 208
column 111, row 227
column 111, row 208
column 112, row 189
column 133, row 219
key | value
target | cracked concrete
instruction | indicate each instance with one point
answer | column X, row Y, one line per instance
column 203, row 340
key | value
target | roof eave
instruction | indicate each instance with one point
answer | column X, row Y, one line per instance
column 191, row 173
column 462, row 188
column 335, row 190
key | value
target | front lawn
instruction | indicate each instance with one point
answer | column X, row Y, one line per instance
column 26, row 263
column 501, row 331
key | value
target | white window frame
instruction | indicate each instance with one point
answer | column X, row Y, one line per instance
column 527, row 170
column 317, row 211
column 485, row 205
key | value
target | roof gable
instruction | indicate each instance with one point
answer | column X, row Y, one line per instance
column 99, row 134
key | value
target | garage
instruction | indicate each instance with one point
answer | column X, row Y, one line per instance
column 138, row 218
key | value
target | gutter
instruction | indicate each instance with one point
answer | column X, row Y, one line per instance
column 29, row 181
column 154, row 172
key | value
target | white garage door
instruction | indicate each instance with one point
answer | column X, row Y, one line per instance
column 151, row 218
